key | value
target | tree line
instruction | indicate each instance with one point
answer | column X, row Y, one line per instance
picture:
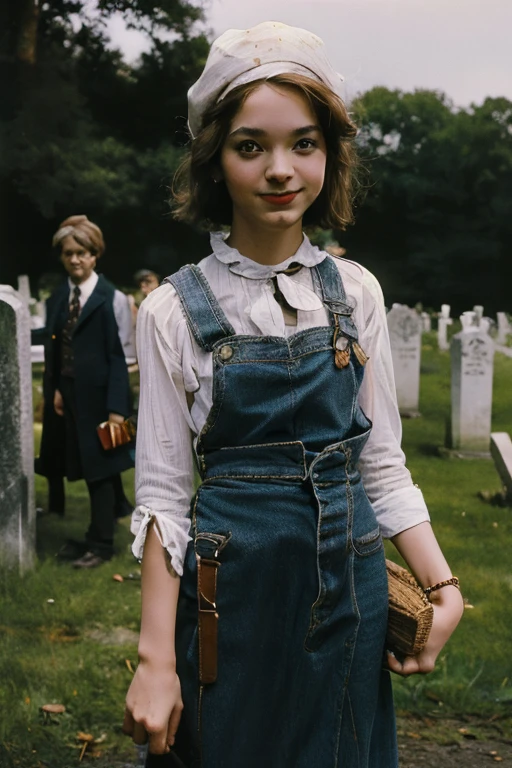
column 83, row 131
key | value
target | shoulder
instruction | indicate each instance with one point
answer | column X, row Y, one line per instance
column 362, row 288
column 161, row 307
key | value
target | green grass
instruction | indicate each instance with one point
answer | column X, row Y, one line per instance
column 71, row 650
column 474, row 673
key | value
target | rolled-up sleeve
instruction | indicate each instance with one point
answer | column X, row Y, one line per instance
column 398, row 503
column 164, row 453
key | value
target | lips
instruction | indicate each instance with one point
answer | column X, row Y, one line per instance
column 283, row 199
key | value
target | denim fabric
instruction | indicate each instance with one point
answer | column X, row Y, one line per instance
column 302, row 587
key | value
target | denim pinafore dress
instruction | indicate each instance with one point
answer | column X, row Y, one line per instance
column 297, row 620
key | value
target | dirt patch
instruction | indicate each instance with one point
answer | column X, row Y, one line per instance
column 468, row 742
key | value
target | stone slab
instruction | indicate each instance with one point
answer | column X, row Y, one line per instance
column 501, row 452
column 17, row 505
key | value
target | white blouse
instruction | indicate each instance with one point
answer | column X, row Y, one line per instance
column 176, row 387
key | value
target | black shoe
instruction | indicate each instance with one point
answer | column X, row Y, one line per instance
column 72, row 549
column 89, row 560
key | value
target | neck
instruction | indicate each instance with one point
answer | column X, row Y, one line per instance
column 267, row 246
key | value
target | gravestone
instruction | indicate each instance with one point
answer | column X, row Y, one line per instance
column 17, row 507
column 444, row 320
column 24, row 289
column 479, row 312
column 472, row 358
column 404, row 326
column 504, row 328
column 426, row 322
column 501, row 452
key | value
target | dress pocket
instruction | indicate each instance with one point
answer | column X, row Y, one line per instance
column 368, row 544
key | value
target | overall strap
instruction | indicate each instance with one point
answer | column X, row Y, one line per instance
column 327, row 279
column 204, row 315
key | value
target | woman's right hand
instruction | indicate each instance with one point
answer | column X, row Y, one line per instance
column 153, row 707
column 58, row 403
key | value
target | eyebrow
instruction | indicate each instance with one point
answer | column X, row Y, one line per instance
column 256, row 132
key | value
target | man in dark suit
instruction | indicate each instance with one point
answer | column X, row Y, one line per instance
column 87, row 381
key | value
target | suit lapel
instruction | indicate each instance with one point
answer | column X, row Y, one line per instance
column 95, row 300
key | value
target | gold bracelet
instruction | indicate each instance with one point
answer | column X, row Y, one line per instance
column 449, row 582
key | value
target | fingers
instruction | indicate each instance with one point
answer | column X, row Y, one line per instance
column 174, row 723
column 411, row 665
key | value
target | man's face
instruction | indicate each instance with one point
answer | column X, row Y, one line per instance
column 78, row 262
column 148, row 284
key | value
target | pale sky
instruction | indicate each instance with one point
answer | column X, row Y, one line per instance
column 461, row 47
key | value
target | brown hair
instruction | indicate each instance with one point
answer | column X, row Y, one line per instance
column 87, row 234
column 199, row 200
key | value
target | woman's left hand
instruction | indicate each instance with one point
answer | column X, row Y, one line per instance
column 116, row 418
column 448, row 610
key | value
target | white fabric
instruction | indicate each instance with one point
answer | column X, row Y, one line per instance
column 172, row 366
column 241, row 56
column 122, row 313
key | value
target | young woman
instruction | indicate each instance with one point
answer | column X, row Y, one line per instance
column 267, row 361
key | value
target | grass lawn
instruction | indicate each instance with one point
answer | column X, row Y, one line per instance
column 70, row 637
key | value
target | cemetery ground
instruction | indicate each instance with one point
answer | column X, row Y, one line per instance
column 70, row 637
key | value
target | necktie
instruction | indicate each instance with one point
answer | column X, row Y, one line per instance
column 74, row 307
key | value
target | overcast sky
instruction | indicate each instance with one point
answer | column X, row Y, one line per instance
column 461, row 47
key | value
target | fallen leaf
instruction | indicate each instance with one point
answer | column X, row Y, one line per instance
column 27, row 700
column 495, row 525
column 53, row 709
column 129, row 665
column 117, row 577
column 87, row 737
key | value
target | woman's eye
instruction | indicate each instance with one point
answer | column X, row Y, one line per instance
column 248, row 147
column 305, row 144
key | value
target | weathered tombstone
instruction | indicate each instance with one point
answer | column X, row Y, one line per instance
column 501, row 452
column 404, row 326
column 17, row 507
column 444, row 320
column 504, row 328
column 472, row 355
column 479, row 312
column 426, row 322
column 24, row 289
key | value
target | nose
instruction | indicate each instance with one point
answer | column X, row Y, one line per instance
column 280, row 166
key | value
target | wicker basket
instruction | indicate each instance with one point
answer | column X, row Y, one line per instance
column 410, row 613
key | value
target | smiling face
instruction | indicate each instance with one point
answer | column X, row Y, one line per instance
column 78, row 262
column 273, row 160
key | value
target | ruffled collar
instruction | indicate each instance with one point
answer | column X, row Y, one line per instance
column 308, row 255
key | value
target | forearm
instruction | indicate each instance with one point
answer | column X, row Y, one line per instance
column 422, row 553
column 160, row 590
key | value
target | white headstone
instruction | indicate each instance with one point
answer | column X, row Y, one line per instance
column 504, row 328
column 405, row 336
column 444, row 320
column 501, row 451
column 472, row 355
column 24, row 289
column 17, row 507
column 479, row 312
column 426, row 322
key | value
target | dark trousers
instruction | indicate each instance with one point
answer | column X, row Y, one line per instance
column 106, row 495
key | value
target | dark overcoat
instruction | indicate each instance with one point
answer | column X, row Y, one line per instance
column 101, row 382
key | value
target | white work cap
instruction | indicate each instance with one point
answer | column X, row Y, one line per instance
column 241, row 56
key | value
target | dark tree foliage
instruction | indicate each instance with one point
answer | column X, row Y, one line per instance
column 434, row 224
column 83, row 132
